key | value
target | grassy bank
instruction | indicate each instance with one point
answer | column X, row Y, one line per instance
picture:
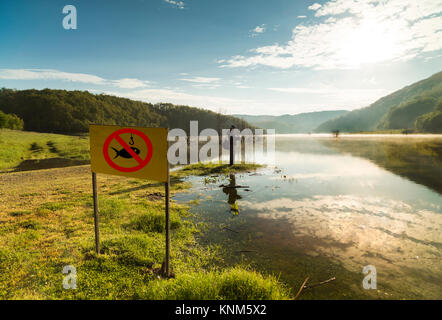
column 46, row 223
column 206, row 169
column 18, row 146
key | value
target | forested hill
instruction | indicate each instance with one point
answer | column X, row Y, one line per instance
column 61, row 111
column 288, row 123
column 417, row 107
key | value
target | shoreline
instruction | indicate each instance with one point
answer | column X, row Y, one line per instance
column 360, row 135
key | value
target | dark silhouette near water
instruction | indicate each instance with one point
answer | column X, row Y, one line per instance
column 232, row 192
column 336, row 133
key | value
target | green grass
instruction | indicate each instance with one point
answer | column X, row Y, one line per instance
column 16, row 146
column 203, row 169
column 47, row 224
column 236, row 283
column 153, row 222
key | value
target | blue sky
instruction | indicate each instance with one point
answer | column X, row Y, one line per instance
column 248, row 56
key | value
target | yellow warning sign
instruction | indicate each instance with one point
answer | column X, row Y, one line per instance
column 129, row 151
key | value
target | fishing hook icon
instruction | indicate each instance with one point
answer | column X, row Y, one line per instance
column 131, row 142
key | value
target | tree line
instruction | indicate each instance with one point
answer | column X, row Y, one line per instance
column 71, row 112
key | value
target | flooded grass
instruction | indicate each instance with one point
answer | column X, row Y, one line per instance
column 207, row 169
column 331, row 207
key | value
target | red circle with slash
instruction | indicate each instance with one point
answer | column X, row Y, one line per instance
column 116, row 135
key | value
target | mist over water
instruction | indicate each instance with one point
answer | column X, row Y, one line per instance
column 332, row 206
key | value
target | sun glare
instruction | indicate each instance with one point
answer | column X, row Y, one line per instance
column 369, row 43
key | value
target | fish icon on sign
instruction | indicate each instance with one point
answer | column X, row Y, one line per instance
column 124, row 153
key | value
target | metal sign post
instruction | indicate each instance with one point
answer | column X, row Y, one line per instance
column 96, row 220
column 167, row 185
column 232, row 160
column 231, row 152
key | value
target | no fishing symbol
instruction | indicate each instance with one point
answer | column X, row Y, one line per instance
column 127, row 152
column 135, row 152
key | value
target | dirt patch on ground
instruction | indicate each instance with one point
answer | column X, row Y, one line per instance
column 43, row 175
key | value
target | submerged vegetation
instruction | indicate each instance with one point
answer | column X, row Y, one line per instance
column 203, row 169
column 47, row 223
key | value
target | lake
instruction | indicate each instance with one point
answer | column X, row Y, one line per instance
column 331, row 206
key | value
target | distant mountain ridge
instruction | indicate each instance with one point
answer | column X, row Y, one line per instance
column 296, row 123
column 417, row 107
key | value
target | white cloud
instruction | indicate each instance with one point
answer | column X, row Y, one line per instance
column 257, row 30
column 302, row 17
column 330, row 20
column 177, row 4
column 128, row 83
column 314, row 6
column 337, row 96
column 201, row 79
column 281, row 100
column 178, row 97
column 206, row 86
column 139, row 89
column 329, row 90
column 49, row 74
column 355, row 33
column 339, row 99
column 356, row 225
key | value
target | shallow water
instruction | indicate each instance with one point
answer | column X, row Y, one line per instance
column 330, row 207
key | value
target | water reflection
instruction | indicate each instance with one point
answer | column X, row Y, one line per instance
column 233, row 196
column 416, row 158
column 333, row 206
column 419, row 160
